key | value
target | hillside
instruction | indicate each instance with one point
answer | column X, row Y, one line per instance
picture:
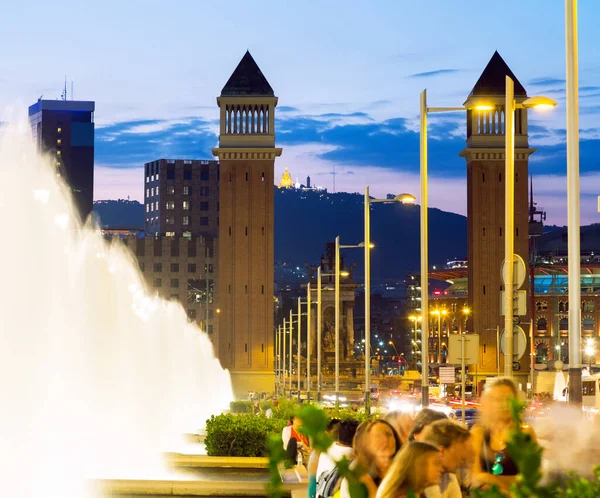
column 306, row 220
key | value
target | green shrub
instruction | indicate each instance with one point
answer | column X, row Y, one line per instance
column 241, row 406
column 240, row 435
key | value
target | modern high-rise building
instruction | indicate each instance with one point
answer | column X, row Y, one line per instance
column 247, row 154
column 181, row 198
column 64, row 129
column 485, row 202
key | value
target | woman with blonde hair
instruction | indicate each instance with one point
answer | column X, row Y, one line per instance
column 416, row 467
column 375, row 445
column 493, row 464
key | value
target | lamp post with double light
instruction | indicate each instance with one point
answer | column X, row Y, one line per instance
column 439, row 312
column 480, row 105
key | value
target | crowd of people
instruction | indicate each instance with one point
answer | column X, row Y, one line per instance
column 429, row 456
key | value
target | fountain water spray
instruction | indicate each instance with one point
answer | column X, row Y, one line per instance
column 97, row 375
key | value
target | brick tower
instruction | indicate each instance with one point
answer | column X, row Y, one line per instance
column 485, row 205
column 245, row 292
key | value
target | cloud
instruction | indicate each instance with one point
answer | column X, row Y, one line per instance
column 428, row 74
column 545, row 81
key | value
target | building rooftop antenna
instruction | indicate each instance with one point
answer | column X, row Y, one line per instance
column 64, row 92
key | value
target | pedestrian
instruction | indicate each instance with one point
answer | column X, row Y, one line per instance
column 375, row 445
column 295, row 443
column 402, row 422
column 256, row 409
column 425, row 417
column 493, row 464
column 456, row 452
column 416, row 467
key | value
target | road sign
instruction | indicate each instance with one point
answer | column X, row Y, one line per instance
column 519, row 342
column 519, row 303
column 447, row 375
column 471, row 348
column 519, row 271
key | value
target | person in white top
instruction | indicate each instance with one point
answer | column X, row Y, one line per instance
column 341, row 448
column 456, row 451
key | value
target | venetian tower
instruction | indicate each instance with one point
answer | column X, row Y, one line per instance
column 485, row 204
column 245, row 293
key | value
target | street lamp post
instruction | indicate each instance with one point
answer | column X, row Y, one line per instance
column 283, row 358
column 291, row 356
column 319, row 317
column 404, row 199
column 308, row 339
column 439, row 314
column 510, row 107
column 573, row 218
column 415, row 344
column 277, row 357
column 337, row 320
column 298, row 348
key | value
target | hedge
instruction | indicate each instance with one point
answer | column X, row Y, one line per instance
column 240, row 435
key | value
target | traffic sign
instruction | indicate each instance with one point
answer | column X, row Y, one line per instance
column 447, row 375
column 519, row 271
column 519, row 342
column 519, row 302
column 471, row 348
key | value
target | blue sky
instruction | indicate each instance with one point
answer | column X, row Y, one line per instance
column 348, row 76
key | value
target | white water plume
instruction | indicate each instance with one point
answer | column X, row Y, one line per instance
column 97, row 376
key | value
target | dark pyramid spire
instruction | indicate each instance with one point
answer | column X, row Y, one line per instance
column 247, row 79
column 492, row 81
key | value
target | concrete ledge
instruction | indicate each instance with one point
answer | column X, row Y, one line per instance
column 124, row 488
column 179, row 460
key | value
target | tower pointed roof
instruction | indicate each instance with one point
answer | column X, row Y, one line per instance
column 247, row 79
column 493, row 82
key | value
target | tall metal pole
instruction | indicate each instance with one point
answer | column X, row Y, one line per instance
column 424, row 257
column 367, row 242
column 291, row 350
column 573, row 219
column 319, row 317
column 337, row 319
column 283, row 357
column 277, row 357
column 298, row 346
column 439, row 355
column 308, row 339
column 509, row 222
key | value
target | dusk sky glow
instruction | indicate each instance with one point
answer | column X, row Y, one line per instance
column 348, row 77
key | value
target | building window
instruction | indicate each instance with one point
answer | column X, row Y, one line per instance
column 203, row 220
column 147, row 208
column 170, row 220
column 262, row 230
column 588, row 306
column 246, row 288
column 187, row 174
column 187, row 190
column 186, row 220
column 147, row 192
column 245, row 347
column 208, row 268
column 210, row 329
column 204, row 206
column 262, row 289
column 59, row 130
column 58, row 152
column 187, row 235
column 175, row 267
column 156, row 190
column 156, row 205
column 157, row 282
column 563, row 307
column 263, row 177
column 542, row 325
column 191, row 314
column 229, row 230
column 174, row 282
column 229, row 288
column 484, row 290
column 142, row 267
column 204, row 176
column 157, row 267
column 170, row 173
column 191, row 267
column 170, row 205
column 186, row 205
column 246, row 231
column 170, row 189
column 246, row 176
column 169, row 234
column 203, row 191
column 262, row 347
column 152, row 192
column 58, row 141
